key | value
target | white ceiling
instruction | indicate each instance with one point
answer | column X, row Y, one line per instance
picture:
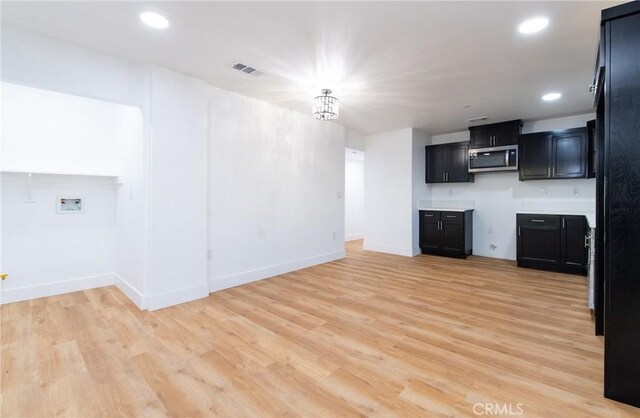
column 393, row 65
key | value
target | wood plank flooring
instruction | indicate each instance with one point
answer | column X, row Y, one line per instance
column 370, row 335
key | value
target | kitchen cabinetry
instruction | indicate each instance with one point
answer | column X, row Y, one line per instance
column 448, row 163
column 446, row 233
column 552, row 242
column 495, row 134
column 553, row 155
column 618, row 119
column 592, row 140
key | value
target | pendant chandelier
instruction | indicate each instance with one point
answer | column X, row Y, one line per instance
column 325, row 107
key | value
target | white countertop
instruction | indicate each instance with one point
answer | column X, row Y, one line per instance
column 447, row 209
column 591, row 216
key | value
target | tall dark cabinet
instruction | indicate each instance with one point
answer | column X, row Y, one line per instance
column 618, row 101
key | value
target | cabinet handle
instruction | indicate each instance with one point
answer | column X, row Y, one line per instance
column 447, row 177
column 451, row 216
column 537, row 220
column 563, row 223
column 443, row 177
column 440, row 222
column 587, row 241
column 548, row 171
column 519, row 233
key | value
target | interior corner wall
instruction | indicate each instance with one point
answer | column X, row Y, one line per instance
column 178, row 205
column 388, row 192
column 419, row 192
column 276, row 181
column 354, row 139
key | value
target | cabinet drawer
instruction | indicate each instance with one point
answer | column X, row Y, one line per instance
column 430, row 215
column 538, row 220
column 452, row 217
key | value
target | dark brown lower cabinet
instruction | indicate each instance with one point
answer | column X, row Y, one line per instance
column 446, row 233
column 552, row 242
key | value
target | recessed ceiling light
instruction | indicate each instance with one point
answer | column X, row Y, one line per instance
column 549, row 97
column 533, row 25
column 154, row 20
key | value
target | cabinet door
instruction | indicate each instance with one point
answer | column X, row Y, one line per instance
column 574, row 252
column 569, row 155
column 592, row 141
column 435, row 160
column 539, row 241
column 430, row 235
column 480, row 137
column 535, row 156
column 457, row 163
column 452, row 232
column 506, row 135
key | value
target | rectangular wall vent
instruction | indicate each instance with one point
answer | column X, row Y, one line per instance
column 478, row 119
column 243, row 68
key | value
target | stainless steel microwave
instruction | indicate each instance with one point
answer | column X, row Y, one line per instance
column 493, row 159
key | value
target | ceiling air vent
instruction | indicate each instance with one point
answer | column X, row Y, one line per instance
column 247, row 70
column 478, row 119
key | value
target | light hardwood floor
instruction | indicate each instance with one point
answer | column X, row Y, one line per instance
column 373, row 334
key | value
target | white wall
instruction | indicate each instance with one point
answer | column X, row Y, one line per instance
column 276, row 180
column 132, row 204
column 178, row 227
column 419, row 192
column 47, row 253
column 39, row 61
column 354, row 196
column 276, row 176
column 497, row 196
column 354, row 139
column 49, row 132
column 388, row 192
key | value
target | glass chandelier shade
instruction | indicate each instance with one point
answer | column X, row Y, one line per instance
column 325, row 107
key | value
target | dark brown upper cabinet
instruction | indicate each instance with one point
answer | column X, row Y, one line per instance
column 554, row 155
column 495, row 134
column 448, row 163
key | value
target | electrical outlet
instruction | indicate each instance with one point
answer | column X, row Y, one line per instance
column 544, row 190
column 333, row 235
column 576, row 191
column 209, row 254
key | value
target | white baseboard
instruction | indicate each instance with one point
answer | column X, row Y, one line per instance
column 175, row 297
column 389, row 249
column 353, row 237
column 232, row 280
column 56, row 288
column 132, row 293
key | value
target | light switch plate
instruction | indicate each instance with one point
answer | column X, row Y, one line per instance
column 65, row 204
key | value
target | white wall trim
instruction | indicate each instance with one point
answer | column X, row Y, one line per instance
column 237, row 279
column 133, row 294
column 353, row 237
column 175, row 297
column 56, row 288
column 381, row 248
